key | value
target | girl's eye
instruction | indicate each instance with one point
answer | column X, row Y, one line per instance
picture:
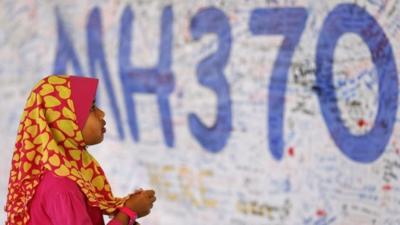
column 92, row 108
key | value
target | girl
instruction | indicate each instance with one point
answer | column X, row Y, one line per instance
column 53, row 178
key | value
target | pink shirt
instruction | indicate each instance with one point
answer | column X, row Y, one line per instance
column 58, row 200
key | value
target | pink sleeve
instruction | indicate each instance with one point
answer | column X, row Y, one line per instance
column 68, row 209
column 114, row 222
column 72, row 211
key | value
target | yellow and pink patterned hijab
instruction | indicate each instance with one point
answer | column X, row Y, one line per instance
column 50, row 139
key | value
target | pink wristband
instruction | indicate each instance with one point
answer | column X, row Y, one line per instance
column 130, row 213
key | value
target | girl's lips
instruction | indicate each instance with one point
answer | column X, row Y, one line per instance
column 104, row 129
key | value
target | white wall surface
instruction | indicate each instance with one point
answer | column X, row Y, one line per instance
column 240, row 183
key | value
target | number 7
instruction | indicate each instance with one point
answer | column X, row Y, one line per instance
column 289, row 22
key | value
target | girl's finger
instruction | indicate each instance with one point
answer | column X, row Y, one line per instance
column 138, row 190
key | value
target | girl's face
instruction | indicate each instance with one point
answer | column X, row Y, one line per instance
column 93, row 131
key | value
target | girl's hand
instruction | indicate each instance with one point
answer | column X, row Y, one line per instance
column 141, row 202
